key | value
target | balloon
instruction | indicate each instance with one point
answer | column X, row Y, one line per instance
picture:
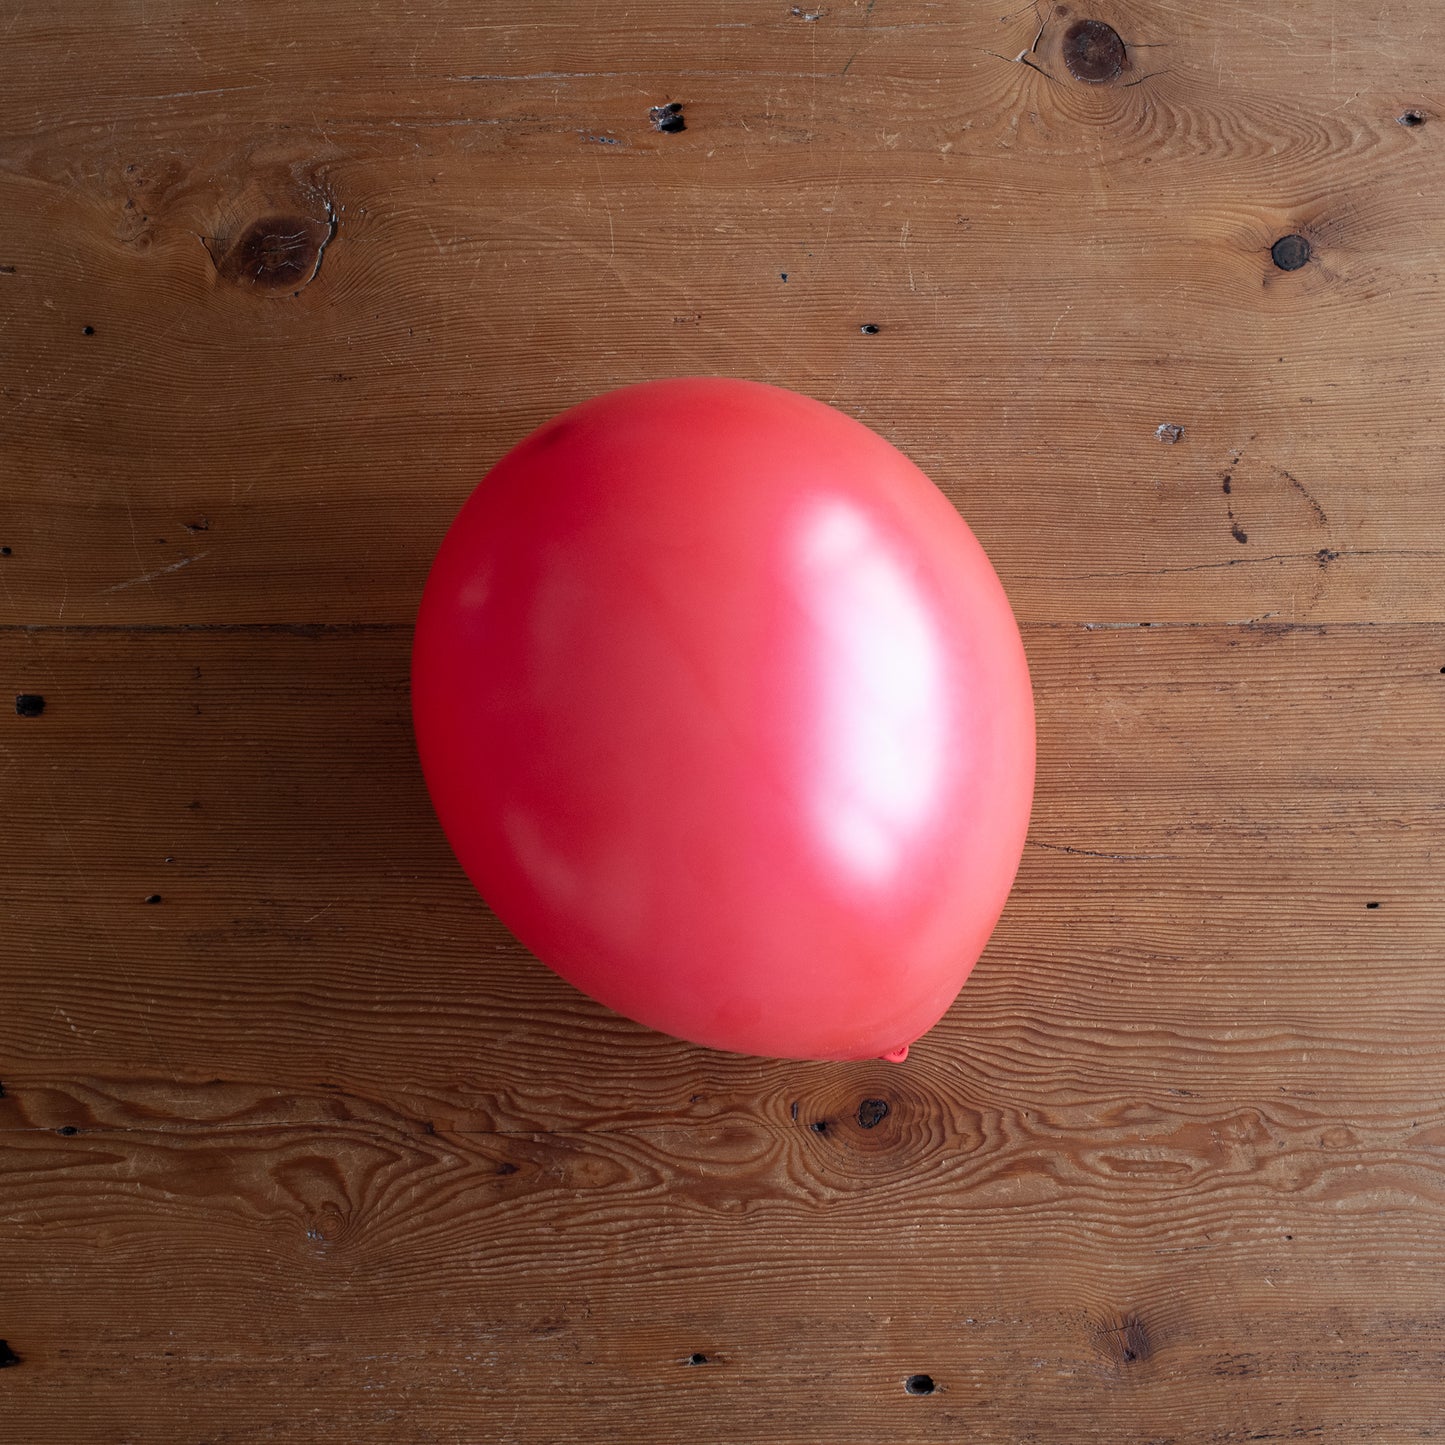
column 724, row 712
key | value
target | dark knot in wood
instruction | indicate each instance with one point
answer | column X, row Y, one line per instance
column 280, row 253
column 1093, row 51
column 1289, row 253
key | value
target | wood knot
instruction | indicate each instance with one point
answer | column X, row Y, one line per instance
column 872, row 1112
column 1126, row 1343
column 1289, row 253
column 1093, row 51
column 277, row 253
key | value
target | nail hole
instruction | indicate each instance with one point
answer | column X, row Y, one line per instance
column 1372, row 905
column 87, row 331
column 8, row 1356
column 1412, row 118
column 919, row 1385
column 67, row 1130
column 668, row 118
column 1290, row 252
column 869, row 329
column 154, row 898
column 697, row 1359
column 6, row 552
column 29, row 704
column 820, row 1127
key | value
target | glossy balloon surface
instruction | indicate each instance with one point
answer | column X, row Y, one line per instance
column 725, row 713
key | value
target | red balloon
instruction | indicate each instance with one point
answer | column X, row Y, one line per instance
column 725, row 713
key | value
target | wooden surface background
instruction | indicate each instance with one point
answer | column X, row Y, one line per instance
column 298, row 1145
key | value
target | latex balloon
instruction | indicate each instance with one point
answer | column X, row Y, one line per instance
column 724, row 712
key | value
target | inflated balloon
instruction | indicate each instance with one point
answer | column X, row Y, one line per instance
column 725, row 713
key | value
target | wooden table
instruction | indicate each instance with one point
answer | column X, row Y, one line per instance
column 298, row 1145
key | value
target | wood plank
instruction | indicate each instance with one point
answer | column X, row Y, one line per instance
column 1187, row 1108
column 492, row 262
column 1294, row 776
column 519, row 1285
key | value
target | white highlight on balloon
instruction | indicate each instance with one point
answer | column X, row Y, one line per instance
column 881, row 705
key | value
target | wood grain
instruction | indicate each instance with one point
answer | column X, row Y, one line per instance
column 308, row 1149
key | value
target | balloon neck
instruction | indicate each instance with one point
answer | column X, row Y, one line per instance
column 897, row 1056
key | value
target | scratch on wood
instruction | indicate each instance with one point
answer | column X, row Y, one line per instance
column 1305, row 492
column 1112, row 857
column 1315, row 557
column 159, row 572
